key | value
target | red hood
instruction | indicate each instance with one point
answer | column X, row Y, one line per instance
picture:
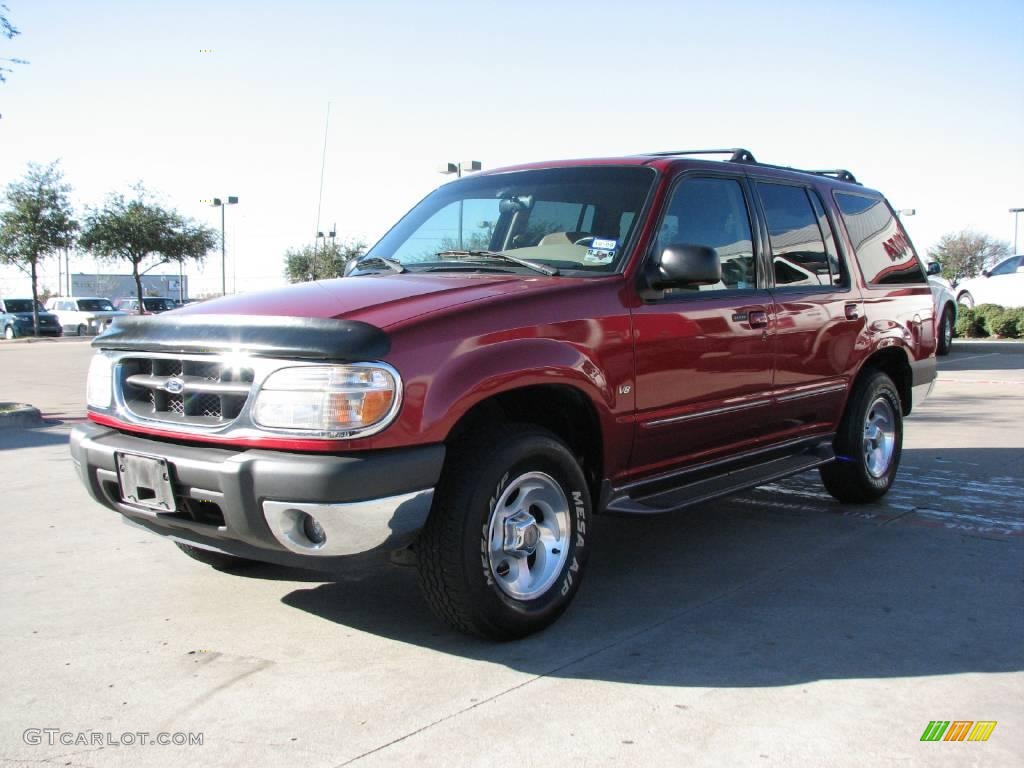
column 381, row 300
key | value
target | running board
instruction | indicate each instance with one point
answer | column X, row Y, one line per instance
column 709, row 481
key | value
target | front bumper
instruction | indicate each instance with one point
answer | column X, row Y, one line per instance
column 249, row 503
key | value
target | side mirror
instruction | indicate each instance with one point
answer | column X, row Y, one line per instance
column 681, row 265
column 984, row 273
column 934, row 268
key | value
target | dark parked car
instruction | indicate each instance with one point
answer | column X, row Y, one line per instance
column 153, row 305
column 525, row 349
column 16, row 319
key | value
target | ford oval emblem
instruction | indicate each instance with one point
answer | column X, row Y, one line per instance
column 175, row 386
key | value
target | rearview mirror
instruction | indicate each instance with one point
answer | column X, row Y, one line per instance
column 934, row 268
column 682, row 264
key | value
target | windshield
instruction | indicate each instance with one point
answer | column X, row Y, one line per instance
column 159, row 305
column 576, row 220
column 20, row 305
column 95, row 305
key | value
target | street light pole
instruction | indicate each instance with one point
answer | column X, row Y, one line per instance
column 218, row 203
column 467, row 166
column 1016, row 212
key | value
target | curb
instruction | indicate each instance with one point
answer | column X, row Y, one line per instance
column 21, row 416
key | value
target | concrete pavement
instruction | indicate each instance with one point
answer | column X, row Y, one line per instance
column 775, row 628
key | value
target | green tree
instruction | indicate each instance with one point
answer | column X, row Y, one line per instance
column 138, row 229
column 966, row 253
column 318, row 262
column 37, row 222
column 7, row 30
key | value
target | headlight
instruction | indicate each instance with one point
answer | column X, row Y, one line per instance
column 329, row 399
column 98, row 387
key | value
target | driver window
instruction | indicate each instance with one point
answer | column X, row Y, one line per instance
column 712, row 213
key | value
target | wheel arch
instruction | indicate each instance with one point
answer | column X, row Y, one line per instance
column 562, row 409
column 894, row 361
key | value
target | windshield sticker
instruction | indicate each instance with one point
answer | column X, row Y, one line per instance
column 600, row 251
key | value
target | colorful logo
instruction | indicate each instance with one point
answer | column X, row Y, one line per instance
column 958, row 730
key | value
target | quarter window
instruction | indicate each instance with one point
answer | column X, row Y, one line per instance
column 712, row 213
column 883, row 249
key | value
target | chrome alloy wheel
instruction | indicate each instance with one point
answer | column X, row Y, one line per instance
column 879, row 437
column 528, row 536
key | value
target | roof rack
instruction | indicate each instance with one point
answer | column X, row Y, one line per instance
column 740, row 155
column 840, row 173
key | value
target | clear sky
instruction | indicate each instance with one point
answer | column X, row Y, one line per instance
column 922, row 100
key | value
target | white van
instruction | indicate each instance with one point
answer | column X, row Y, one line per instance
column 82, row 315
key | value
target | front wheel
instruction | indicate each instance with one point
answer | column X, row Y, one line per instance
column 504, row 549
column 9, row 332
column 945, row 332
column 965, row 300
column 868, row 444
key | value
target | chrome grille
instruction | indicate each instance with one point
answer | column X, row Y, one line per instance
column 184, row 390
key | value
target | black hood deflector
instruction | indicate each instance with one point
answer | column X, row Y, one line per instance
column 259, row 335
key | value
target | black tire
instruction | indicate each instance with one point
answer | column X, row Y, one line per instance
column 850, row 478
column 217, row 560
column 965, row 300
column 80, row 330
column 457, row 572
column 946, row 329
column 10, row 333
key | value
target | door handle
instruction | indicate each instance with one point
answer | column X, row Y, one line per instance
column 758, row 318
column 852, row 311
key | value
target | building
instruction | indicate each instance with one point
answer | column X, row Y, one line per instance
column 115, row 286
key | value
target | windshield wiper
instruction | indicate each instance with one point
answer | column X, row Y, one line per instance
column 392, row 264
column 544, row 269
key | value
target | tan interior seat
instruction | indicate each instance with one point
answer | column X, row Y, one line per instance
column 561, row 238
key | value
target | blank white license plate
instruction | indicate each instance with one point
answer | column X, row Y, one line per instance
column 145, row 481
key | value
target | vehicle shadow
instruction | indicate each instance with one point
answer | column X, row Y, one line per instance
column 36, row 437
column 743, row 592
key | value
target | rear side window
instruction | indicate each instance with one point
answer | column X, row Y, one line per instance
column 799, row 256
column 885, row 254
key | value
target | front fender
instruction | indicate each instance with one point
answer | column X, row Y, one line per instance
column 478, row 373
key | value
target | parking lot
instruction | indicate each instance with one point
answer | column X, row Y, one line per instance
column 774, row 628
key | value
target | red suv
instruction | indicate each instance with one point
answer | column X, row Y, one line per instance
column 525, row 349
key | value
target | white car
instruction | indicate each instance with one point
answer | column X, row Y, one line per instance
column 945, row 308
column 1003, row 285
column 83, row 315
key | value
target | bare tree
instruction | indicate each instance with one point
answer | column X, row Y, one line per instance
column 9, row 31
column 966, row 253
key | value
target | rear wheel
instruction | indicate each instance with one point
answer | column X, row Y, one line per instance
column 218, row 560
column 945, row 331
column 868, row 444
column 504, row 549
column 81, row 330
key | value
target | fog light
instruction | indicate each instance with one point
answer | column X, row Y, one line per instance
column 313, row 530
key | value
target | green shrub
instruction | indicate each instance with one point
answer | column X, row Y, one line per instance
column 1002, row 324
column 969, row 324
column 1018, row 315
column 984, row 311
